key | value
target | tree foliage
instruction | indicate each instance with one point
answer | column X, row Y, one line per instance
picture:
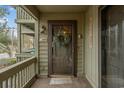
column 4, row 39
column 3, row 12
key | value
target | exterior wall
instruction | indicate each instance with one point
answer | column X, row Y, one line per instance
column 43, row 44
column 91, row 54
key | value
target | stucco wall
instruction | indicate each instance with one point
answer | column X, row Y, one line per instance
column 91, row 54
column 43, row 44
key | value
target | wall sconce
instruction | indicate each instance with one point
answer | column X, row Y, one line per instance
column 80, row 36
column 43, row 30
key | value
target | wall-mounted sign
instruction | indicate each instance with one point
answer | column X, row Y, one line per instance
column 90, row 32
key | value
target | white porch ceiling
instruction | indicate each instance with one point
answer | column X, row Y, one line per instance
column 62, row 8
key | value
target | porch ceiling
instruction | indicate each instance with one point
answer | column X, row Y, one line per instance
column 62, row 8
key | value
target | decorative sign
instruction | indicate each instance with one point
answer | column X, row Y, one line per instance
column 90, row 32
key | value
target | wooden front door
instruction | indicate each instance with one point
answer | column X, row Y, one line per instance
column 61, row 47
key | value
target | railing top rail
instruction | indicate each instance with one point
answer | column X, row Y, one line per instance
column 24, row 55
column 9, row 71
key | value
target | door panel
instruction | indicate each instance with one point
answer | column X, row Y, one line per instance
column 61, row 47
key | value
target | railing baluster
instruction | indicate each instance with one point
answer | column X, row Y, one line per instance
column 10, row 82
column 1, row 85
column 25, row 76
column 34, row 69
column 7, row 83
column 4, row 84
column 19, row 77
column 28, row 73
column 19, row 13
column 26, row 15
column 23, row 14
column 15, row 81
column 18, row 81
column 31, row 70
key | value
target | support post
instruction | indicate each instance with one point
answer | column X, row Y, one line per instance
column 19, row 37
column 36, row 47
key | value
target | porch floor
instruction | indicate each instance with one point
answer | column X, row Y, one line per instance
column 75, row 83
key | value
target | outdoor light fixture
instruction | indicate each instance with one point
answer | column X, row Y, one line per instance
column 43, row 29
column 43, row 32
column 80, row 36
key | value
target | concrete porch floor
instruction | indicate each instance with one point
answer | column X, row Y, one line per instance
column 76, row 83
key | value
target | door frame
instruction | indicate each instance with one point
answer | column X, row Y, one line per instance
column 74, row 44
column 100, row 9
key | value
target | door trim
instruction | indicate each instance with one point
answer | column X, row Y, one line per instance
column 74, row 43
column 100, row 9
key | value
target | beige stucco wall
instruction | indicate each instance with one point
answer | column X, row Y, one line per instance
column 91, row 54
column 43, row 44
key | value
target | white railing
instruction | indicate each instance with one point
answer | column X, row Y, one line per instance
column 18, row 75
column 22, row 14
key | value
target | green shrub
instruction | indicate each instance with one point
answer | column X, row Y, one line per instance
column 12, row 60
column 9, row 60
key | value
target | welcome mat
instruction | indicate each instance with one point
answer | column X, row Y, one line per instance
column 54, row 81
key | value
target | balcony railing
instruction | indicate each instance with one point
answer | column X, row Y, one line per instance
column 22, row 14
column 21, row 74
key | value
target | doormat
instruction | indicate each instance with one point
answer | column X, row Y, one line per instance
column 54, row 81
